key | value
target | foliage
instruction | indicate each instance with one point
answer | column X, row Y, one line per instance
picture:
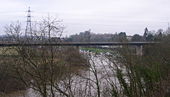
column 136, row 38
column 147, row 75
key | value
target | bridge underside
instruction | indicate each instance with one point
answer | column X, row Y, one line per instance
column 139, row 45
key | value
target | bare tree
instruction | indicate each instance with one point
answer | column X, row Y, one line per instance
column 35, row 65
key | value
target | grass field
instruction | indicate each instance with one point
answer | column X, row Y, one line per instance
column 97, row 50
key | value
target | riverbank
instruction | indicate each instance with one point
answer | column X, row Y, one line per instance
column 40, row 65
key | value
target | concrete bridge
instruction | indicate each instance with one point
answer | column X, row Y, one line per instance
column 138, row 45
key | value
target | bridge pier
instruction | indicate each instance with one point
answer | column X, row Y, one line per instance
column 139, row 50
column 77, row 47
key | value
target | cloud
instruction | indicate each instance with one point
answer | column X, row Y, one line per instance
column 99, row 15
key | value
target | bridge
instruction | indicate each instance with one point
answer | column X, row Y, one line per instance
column 78, row 44
column 139, row 45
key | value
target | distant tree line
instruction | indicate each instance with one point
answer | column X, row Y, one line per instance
column 88, row 36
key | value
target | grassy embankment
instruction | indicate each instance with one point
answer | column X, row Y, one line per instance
column 96, row 50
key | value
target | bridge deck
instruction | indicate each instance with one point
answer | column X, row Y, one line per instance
column 79, row 44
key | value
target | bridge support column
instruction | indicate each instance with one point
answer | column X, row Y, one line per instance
column 139, row 50
column 77, row 47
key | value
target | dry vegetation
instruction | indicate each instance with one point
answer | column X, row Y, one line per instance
column 55, row 71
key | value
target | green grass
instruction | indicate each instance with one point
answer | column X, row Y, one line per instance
column 97, row 50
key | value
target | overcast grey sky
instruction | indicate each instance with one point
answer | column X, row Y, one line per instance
column 101, row 16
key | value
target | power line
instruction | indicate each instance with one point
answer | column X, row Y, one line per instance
column 28, row 30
